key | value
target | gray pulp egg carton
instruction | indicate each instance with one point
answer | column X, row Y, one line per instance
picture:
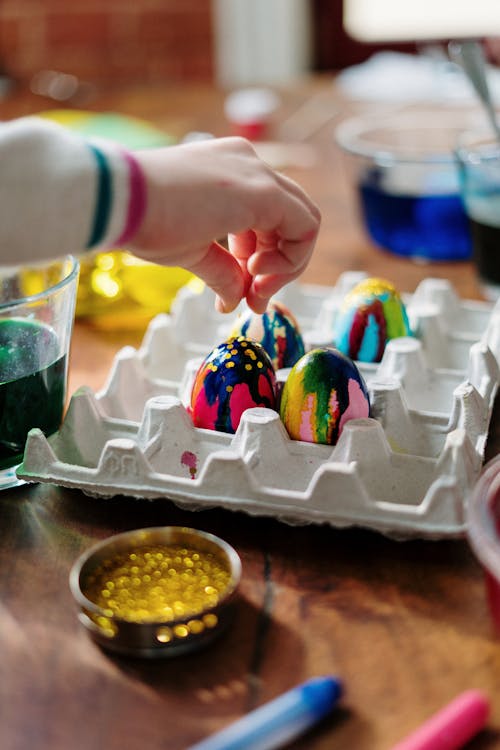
column 405, row 471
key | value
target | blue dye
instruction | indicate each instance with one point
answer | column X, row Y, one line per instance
column 371, row 341
column 432, row 227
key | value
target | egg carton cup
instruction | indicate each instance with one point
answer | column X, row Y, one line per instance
column 405, row 471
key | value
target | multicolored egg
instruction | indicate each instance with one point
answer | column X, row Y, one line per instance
column 371, row 314
column 322, row 392
column 237, row 375
column 277, row 331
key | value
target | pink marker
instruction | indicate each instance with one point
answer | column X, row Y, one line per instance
column 453, row 726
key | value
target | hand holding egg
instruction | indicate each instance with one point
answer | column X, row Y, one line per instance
column 203, row 191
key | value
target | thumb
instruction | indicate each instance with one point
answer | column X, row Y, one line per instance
column 222, row 273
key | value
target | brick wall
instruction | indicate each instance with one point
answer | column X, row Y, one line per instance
column 108, row 41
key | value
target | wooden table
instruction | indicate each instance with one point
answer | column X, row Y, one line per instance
column 405, row 624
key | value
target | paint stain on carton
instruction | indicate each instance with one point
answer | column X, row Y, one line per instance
column 190, row 460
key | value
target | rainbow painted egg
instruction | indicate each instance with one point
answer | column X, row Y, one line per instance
column 277, row 331
column 323, row 391
column 371, row 314
column 237, row 375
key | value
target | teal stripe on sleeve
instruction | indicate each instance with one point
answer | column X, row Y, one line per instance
column 104, row 195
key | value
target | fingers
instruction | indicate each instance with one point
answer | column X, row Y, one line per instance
column 222, row 273
column 271, row 223
column 274, row 258
column 263, row 288
column 242, row 246
column 274, row 255
column 271, row 259
column 285, row 237
column 294, row 188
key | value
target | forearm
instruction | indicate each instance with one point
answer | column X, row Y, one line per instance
column 62, row 194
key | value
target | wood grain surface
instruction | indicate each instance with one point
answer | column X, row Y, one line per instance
column 404, row 624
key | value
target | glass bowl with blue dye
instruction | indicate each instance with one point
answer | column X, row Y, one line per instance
column 404, row 171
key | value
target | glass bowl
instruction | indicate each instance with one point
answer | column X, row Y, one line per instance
column 402, row 166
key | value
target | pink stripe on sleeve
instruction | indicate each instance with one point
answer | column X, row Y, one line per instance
column 137, row 200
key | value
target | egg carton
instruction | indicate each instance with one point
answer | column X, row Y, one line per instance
column 405, row 471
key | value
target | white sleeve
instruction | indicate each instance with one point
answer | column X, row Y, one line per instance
column 59, row 193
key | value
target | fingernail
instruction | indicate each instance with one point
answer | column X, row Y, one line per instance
column 219, row 305
column 259, row 305
column 223, row 307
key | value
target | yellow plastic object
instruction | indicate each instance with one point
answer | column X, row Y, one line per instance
column 36, row 279
column 130, row 132
column 118, row 290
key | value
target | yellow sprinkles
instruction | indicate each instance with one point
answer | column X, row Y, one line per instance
column 158, row 584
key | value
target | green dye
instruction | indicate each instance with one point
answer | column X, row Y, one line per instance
column 32, row 385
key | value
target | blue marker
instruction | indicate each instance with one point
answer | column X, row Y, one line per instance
column 280, row 721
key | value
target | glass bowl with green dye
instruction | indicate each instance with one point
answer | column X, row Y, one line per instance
column 37, row 308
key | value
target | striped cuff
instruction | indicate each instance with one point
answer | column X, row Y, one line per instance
column 106, row 196
column 137, row 200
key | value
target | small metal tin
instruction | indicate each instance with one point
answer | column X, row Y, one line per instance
column 160, row 638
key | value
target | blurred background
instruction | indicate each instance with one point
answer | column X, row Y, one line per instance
column 71, row 59
column 154, row 72
column 231, row 42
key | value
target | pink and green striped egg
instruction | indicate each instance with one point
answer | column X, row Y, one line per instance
column 323, row 391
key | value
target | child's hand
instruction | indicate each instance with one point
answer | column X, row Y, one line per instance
column 201, row 192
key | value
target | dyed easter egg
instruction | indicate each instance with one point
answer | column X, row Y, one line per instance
column 322, row 392
column 237, row 375
column 277, row 331
column 370, row 314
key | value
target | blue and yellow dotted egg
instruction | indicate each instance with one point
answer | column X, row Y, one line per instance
column 236, row 375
